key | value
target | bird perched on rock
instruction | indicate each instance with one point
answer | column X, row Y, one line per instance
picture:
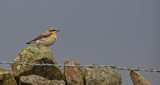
column 47, row 38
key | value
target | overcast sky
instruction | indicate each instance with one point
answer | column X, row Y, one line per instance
column 109, row 32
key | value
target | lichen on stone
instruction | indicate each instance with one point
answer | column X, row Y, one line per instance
column 17, row 59
column 37, row 55
column 3, row 73
column 6, row 78
column 18, row 67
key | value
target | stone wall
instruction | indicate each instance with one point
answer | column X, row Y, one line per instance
column 53, row 75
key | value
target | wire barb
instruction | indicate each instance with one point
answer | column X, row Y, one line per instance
column 84, row 66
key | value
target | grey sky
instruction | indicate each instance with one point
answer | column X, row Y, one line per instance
column 109, row 32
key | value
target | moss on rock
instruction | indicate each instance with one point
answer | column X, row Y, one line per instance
column 6, row 78
column 38, row 55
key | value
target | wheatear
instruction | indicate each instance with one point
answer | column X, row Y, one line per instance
column 47, row 38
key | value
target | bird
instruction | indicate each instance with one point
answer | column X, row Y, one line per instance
column 47, row 38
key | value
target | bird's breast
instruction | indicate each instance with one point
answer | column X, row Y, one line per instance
column 48, row 41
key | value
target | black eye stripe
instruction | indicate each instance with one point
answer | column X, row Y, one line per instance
column 52, row 30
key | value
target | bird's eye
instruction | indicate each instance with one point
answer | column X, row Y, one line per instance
column 52, row 30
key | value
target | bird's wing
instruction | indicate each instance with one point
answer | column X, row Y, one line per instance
column 44, row 35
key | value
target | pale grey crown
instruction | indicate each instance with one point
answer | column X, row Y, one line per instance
column 53, row 29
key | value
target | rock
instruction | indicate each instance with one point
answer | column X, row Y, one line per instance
column 6, row 78
column 58, row 82
column 73, row 75
column 138, row 79
column 38, row 55
column 38, row 80
column 102, row 76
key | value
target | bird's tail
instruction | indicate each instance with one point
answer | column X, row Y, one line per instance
column 30, row 42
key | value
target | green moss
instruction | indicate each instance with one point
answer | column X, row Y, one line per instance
column 3, row 72
column 87, row 76
column 29, row 47
column 24, row 51
column 7, row 78
column 31, row 51
column 42, row 54
column 18, row 67
column 82, row 74
column 17, row 59
column 27, row 58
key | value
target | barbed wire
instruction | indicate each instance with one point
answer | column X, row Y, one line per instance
column 84, row 66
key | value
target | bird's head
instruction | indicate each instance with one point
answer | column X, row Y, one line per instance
column 52, row 29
